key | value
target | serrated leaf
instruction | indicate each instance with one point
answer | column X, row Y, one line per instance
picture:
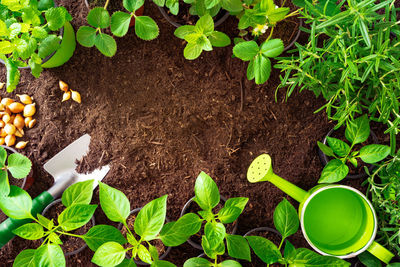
column 86, row 36
column 184, row 30
column 262, row 69
column 106, row 44
column 120, row 23
column 48, row 45
column 99, row 17
column 19, row 165
column 272, row 48
column 246, row 50
column 219, row 39
column 146, row 28
column 133, row 5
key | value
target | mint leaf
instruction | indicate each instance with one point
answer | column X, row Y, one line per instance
column 48, row 45
column 219, row 39
column 56, row 17
column 205, row 25
column 184, row 30
column 39, row 33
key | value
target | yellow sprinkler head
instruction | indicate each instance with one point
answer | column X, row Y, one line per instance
column 260, row 169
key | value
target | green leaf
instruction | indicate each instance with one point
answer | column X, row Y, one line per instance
column 114, row 203
column 211, row 3
column 286, row 220
column 6, row 47
column 153, row 252
column 305, row 257
column 19, row 165
column 338, row 147
column 206, row 192
column 289, row 251
column 109, row 254
column 99, row 17
column 3, row 29
column 374, row 153
column 15, row 29
column 106, row 44
column 133, row 5
column 272, row 48
column 45, row 222
column 177, row 233
column 215, row 233
column 76, row 216
column 238, row 247
column 238, row 202
column 146, row 28
column 49, row 255
column 4, row 183
column 369, row 260
column 250, row 70
column 25, row 258
column 55, row 239
column 144, row 254
column 364, row 32
column 127, row 263
column 86, row 36
column 56, row 17
column 39, row 33
column 45, row 4
column 17, row 204
column 264, row 249
column 151, row 218
column 228, row 214
column 101, row 234
column 120, row 23
column 209, row 251
column 192, row 51
column 36, row 69
column 333, row 172
column 13, row 75
column 184, row 30
column 48, row 45
column 246, row 50
column 30, row 231
column 358, row 130
column 78, row 193
column 325, row 149
column 219, row 39
column 232, row 5
column 230, row 263
column 262, row 69
column 205, row 25
column 3, row 156
column 161, row 263
column 197, row 262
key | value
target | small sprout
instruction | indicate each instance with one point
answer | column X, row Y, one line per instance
column 19, row 132
column 6, row 118
column 66, row 96
column 6, row 101
column 16, row 107
column 63, row 86
column 10, row 129
column 76, row 96
column 21, row 144
column 25, row 99
column 30, row 110
column 32, row 123
column 2, row 141
column 10, row 140
column 18, row 121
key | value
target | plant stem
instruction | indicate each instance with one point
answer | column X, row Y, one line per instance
column 106, row 4
column 270, row 34
column 66, row 233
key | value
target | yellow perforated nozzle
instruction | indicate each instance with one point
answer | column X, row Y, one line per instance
column 260, row 169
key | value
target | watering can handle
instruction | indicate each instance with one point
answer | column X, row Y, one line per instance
column 260, row 170
column 380, row 252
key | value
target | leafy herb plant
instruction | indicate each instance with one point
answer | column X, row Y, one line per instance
column 28, row 34
column 77, row 213
column 351, row 59
column 356, row 132
column 201, row 37
column 286, row 221
column 207, row 197
column 99, row 19
column 147, row 226
column 17, row 164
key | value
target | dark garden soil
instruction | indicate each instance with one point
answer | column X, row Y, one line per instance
column 159, row 120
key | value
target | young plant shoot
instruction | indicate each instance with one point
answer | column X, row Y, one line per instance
column 201, row 37
column 99, row 20
column 17, row 164
column 357, row 132
column 286, row 221
column 207, row 197
column 78, row 212
column 28, row 34
column 147, row 226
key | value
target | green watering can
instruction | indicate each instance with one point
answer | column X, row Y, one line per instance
column 336, row 220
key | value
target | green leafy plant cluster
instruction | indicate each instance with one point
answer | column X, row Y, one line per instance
column 351, row 59
column 207, row 197
column 28, row 34
column 286, row 221
column 99, row 20
column 17, row 164
column 357, row 132
column 78, row 212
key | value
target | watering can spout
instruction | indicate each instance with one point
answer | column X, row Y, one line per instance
column 260, row 170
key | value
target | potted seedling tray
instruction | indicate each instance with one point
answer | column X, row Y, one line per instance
column 71, row 245
column 191, row 206
column 163, row 251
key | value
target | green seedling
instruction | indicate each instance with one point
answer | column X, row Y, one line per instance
column 351, row 59
column 77, row 213
column 99, row 19
column 207, row 197
column 28, row 34
column 17, row 164
column 147, row 226
column 357, row 132
column 201, row 37
column 286, row 221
